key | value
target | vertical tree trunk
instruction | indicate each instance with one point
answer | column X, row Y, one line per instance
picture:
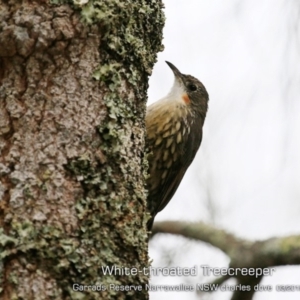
column 73, row 82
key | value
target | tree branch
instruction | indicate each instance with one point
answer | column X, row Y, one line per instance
column 243, row 253
column 199, row 231
column 258, row 255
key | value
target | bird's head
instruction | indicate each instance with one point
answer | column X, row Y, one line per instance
column 188, row 90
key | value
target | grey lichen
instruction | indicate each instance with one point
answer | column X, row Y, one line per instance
column 114, row 183
column 126, row 23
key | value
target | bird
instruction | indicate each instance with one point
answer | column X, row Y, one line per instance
column 173, row 136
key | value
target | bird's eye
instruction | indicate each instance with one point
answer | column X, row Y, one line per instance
column 192, row 87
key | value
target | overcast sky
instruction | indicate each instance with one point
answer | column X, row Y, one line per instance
column 245, row 177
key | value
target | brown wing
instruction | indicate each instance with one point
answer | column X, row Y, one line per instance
column 176, row 174
column 171, row 150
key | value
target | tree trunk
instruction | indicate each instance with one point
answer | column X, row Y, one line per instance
column 73, row 83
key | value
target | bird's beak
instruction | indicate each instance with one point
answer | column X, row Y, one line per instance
column 178, row 75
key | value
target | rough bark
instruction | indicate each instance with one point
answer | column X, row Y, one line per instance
column 73, row 82
column 242, row 253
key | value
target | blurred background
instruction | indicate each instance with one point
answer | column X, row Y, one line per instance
column 246, row 175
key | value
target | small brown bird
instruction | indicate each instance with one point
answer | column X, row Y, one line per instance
column 174, row 133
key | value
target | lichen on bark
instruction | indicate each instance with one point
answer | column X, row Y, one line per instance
column 73, row 85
